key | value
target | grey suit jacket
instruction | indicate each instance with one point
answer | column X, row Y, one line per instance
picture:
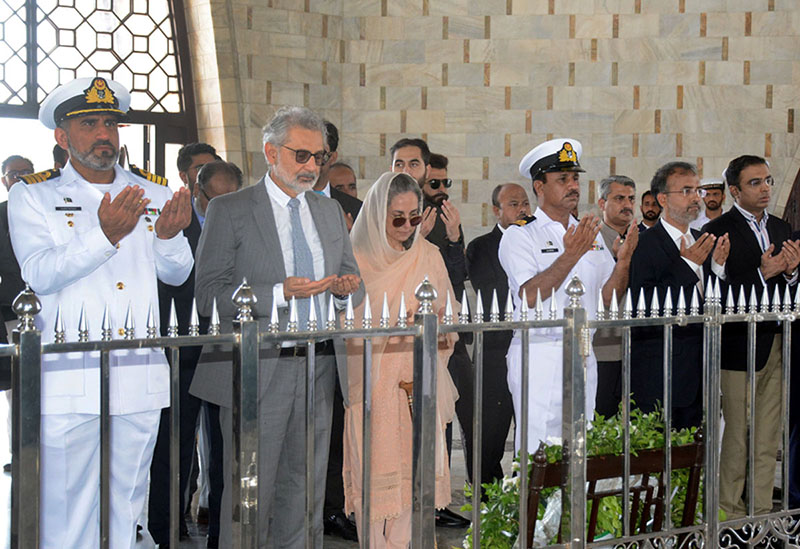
column 240, row 240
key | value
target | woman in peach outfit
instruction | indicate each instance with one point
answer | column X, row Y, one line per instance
column 393, row 259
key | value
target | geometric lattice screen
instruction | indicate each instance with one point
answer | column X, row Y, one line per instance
column 130, row 41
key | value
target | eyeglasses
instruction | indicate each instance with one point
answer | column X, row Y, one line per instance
column 302, row 156
column 689, row 191
column 758, row 182
column 16, row 174
column 414, row 220
column 435, row 183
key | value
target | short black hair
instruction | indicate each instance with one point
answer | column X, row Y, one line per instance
column 658, row 184
column 14, row 158
column 413, row 142
column 60, row 155
column 737, row 165
column 343, row 165
column 186, row 153
column 496, row 195
column 645, row 195
column 439, row 161
column 333, row 136
column 219, row 167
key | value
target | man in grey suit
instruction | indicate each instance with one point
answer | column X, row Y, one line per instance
column 288, row 243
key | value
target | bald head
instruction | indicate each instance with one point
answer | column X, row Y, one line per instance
column 510, row 203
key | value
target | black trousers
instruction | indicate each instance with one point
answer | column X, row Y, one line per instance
column 498, row 407
column 334, row 486
column 462, row 372
column 609, row 387
column 191, row 407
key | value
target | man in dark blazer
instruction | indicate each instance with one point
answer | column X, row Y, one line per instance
column 762, row 255
column 509, row 203
column 672, row 256
column 334, row 521
column 288, row 243
column 213, row 178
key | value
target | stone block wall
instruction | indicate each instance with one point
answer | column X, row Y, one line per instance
column 638, row 82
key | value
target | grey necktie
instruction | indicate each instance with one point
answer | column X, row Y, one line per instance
column 303, row 260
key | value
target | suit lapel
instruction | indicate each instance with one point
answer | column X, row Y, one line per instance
column 671, row 250
column 265, row 221
column 742, row 227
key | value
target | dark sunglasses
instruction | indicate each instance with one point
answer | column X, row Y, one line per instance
column 435, row 183
column 302, row 156
column 413, row 221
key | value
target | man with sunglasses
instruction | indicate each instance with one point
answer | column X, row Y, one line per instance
column 542, row 253
column 289, row 244
column 762, row 255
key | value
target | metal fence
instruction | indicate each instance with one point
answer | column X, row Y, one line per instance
column 769, row 530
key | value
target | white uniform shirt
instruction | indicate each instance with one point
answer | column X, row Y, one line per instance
column 530, row 249
column 68, row 261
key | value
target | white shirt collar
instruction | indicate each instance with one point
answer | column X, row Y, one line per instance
column 546, row 219
column 277, row 194
column 674, row 232
column 750, row 217
column 327, row 190
column 502, row 230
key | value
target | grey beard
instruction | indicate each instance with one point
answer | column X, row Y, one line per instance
column 100, row 164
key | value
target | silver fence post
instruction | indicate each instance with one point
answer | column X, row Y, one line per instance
column 423, row 531
column 26, row 381
column 712, row 336
column 577, row 345
column 244, row 454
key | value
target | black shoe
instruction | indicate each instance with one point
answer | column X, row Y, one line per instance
column 7, row 468
column 339, row 525
column 212, row 542
column 445, row 518
column 202, row 515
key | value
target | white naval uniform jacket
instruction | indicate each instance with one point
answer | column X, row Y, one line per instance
column 524, row 252
column 68, row 261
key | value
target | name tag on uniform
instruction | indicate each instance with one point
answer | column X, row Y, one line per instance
column 549, row 250
column 68, row 208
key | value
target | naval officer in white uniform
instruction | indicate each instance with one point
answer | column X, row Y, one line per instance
column 94, row 235
column 543, row 252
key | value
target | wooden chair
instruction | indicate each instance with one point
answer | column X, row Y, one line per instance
column 647, row 501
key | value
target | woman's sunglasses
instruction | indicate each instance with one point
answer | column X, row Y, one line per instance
column 435, row 183
column 413, row 221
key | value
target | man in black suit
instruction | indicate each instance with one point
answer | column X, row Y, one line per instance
column 509, row 204
column 334, row 521
column 650, row 211
column 762, row 255
column 11, row 283
column 212, row 178
column 342, row 177
column 672, row 256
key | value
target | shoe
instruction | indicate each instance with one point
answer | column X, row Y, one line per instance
column 7, row 468
column 445, row 518
column 202, row 515
column 212, row 542
column 339, row 525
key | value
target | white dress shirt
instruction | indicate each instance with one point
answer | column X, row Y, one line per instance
column 759, row 229
column 677, row 235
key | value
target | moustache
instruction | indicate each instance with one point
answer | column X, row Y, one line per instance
column 626, row 211
column 573, row 193
column 103, row 143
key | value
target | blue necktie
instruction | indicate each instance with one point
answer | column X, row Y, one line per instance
column 303, row 260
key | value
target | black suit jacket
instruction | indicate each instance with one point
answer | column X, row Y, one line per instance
column 349, row 204
column 487, row 275
column 657, row 264
column 183, row 296
column 11, row 283
column 741, row 269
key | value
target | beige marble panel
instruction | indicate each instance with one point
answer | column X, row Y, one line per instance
column 507, row 74
column 466, row 121
column 447, row 98
column 466, row 26
column 593, row 26
column 363, row 51
column 384, row 28
column 574, row 7
column 467, row 167
column 465, row 74
column 771, row 72
column 292, row 5
column 777, row 48
column 637, row 73
column 307, row 24
column 634, row 121
column 656, row 97
column 423, row 28
column 404, row 8
column 774, row 24
column 488, row 99
column 361, row 7
column 354, row 144
column 572, row 98
column 607, row 144
column 504, row 169
column 302, row 70
column 425, row 121
column 611, row 98
column 487, row 7
column 444, row 51
column 451, row 145
column 680, row 25
column 448, row 7
column 403, row 51
column 269, row 20
column 524, row 27
column 371, row 121
column 724, row 72
column 324, row 97
column 330, row 7
column 787, row 97
column 506, row 121
column 723, row 97
column 403, row 98
column 525, row 97
column 485, row 144
column 597, row 74
column 530, row 7
column 614, row 6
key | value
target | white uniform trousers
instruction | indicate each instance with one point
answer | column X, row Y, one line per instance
column 70, row 487
column 545, row 390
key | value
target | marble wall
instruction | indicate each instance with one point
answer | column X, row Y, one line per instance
column 638, row 82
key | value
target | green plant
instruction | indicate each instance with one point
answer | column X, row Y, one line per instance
column 500, row 510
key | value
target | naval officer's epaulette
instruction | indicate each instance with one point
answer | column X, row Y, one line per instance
column 32, row 178
column 157, row 179
column 524, row 221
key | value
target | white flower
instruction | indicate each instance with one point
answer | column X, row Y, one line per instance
column 509, row 484
column 553, row 441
